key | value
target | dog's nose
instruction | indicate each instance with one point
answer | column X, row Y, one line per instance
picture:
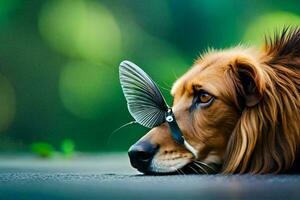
column 141, row 154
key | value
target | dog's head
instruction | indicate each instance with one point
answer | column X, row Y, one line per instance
column 216, row 105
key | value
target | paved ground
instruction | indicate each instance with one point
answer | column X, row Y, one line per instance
column 111, row 177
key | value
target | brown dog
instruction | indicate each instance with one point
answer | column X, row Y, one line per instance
column 239, row 108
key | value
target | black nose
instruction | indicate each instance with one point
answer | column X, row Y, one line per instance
column 141, row 154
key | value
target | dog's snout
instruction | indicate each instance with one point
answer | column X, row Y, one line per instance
column 141, row 155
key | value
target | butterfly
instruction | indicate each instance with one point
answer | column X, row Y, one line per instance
column 146, row 104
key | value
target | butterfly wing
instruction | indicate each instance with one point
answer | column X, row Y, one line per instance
column 144, row 100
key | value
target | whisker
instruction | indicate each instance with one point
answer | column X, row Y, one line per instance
column 210, row 169
column 202, row 168
column 116, row 130
column 177, row 170
column 207, row 165
column 193, row 169
column 181, row 171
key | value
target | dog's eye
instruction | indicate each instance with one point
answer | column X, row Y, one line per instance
column 202, row 99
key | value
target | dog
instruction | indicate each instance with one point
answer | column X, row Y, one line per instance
column 239, row 108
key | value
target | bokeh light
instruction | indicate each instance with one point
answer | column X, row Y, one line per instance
column 81, row 29
column 7, row 103
column 59, row 60
column 85, row 88
column 267, row 24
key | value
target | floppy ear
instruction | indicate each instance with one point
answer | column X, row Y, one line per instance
column 248, row 81
column 265, row 137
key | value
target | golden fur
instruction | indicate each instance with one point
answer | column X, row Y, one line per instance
column 253, row 125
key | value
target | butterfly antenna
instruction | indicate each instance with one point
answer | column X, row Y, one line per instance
column 174, row 74
column 116, row 130
column 167, row 85
column 162, row 87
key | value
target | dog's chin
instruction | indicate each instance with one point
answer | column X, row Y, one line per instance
column 193, row 167
column 171, row 171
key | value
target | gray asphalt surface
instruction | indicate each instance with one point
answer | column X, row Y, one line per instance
column 111, row 177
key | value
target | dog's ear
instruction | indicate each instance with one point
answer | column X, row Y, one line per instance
column 248, row 81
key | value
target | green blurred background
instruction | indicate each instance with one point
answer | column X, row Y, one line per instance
column 59, row 61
